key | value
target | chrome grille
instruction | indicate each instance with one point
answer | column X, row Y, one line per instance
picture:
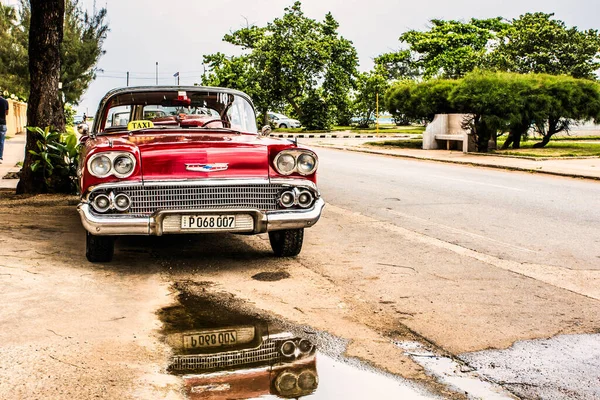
column 266, row 353
column 145, row 200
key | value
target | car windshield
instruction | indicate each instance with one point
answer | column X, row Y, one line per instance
column 203, row 109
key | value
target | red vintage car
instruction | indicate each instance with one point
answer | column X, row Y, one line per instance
column 178, row 160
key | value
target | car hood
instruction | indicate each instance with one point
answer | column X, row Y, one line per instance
column 187, row 155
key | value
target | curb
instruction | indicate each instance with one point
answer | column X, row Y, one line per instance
column 471, row 163
column 325, row 136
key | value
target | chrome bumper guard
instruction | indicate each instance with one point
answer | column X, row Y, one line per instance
column 109, row 225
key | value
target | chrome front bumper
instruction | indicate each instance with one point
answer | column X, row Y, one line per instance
column 114, row 224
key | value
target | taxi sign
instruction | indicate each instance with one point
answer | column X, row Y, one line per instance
column 141, row 124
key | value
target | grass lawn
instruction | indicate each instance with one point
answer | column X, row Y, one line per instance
column 552, row 149
column 383, row 129
column 403, row 144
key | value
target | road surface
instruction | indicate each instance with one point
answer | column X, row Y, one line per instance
column 428, row 280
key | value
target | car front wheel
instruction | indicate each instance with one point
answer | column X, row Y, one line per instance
column 284, row 126
column 99, row 248
column 286, row 243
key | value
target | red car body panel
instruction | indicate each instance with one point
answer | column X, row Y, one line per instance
column 164, row 155
column 246, row 384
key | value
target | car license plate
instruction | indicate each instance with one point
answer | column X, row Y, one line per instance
column 208, row 222
column 210, row 339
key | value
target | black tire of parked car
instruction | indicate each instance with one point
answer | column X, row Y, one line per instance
column 284, row 126
column 286, row 243
column 99, row 248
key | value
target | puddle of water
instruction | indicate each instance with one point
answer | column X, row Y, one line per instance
column 450, row 372
column 566, row 366
column 223, row 352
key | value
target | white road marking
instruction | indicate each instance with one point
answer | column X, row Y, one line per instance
column 584, row 282
column 477, row 183
column 462, row 231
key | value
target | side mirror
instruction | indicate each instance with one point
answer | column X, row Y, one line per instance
column 83, row 129
column 266, row 130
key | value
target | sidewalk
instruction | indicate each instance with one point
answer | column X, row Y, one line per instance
column 588, row 168
column 14, row 151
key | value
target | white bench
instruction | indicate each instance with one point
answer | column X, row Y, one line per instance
column 446, row 128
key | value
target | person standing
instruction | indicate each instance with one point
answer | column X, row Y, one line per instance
column 3, row 127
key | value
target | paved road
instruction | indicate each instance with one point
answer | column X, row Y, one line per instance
column 513, row 216
column 388, row 276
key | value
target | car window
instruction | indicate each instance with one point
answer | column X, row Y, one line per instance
column 118, row 116
column 169, row 108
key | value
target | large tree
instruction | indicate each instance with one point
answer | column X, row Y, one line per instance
column 13, row 64
column 45, row 107
column 293, row 60
column 449, row 49
column 82, row 46
column 536, row 42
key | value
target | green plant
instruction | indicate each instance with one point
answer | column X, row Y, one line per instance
column 56, row 159
column 70, row 112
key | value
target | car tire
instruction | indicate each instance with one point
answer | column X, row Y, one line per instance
column 286, row 243
column 99, row 248
column 284, row 126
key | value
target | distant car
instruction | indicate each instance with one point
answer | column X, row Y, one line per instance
column 283, row 121
column 185, row 160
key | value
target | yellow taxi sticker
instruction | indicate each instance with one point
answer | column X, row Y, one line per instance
column 141, row 124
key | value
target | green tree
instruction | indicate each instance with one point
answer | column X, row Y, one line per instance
column 536, row 42
column 449, row 49
column 369, row 86
column 569, row 101
column 397, row 66
column 13, row 56
column 292, row 59
column 238, row 72
column 81, row 48
column 420, row 101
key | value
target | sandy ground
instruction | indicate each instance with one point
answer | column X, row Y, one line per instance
column 75, row 330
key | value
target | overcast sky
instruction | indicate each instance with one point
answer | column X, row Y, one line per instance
column 177, row 33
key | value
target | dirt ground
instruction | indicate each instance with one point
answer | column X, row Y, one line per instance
column 71, row 329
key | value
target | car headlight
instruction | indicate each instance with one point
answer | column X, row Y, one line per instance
column 306, row 163
column 123, row 165
column 119, row 164
column 285, row 163
column 100, row 166
column 303, row 162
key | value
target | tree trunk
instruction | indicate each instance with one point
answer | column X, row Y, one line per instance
column 295, row 105
column 544, row 141
column 45, row 106
column 509, row 140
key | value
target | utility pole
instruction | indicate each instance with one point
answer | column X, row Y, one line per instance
column 157, row 73
column 127, row 78
column 377, row 114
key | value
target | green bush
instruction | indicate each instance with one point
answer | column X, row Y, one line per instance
column 57, row 158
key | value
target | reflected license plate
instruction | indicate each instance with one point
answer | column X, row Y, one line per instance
column 212, row 339
column 207, row 222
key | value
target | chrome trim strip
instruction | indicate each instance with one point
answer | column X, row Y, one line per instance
column 263, row 222
column 296, row 182
column 112, row 224
column 295, row 219
column 206, row 182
